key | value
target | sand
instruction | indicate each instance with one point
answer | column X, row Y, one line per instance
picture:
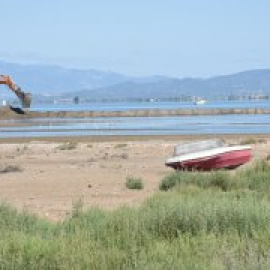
column 50, row 180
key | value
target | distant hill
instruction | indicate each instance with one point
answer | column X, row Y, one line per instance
column 94, row 84
column 255, row 82
column 41, row 79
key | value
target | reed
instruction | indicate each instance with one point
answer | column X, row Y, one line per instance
column 252, row 178
column 213, row 220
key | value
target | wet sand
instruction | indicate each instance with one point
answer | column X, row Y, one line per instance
column 50, row 179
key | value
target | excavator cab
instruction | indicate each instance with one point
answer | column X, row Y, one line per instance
column 25, row 98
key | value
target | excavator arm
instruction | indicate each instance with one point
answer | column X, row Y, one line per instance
column 25, row 98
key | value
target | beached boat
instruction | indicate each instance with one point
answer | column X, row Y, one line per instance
column 208, row 155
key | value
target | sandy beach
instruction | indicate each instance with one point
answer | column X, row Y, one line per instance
column 48, row 178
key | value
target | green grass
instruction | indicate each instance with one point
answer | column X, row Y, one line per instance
column 134, row 183
column 217, row 220
column 252, row 141
column 256, row 177
column 121, row 145
column 67, row 146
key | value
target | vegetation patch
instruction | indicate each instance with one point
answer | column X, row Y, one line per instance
column 11, row 168
column 252, row 141
column 77, row 207
column 215, row 220
column 67, row 146
column 217, row 212
column 256, row 177
column 134, row 183
column 22, row 149
column 120, row 145
column 220, row 180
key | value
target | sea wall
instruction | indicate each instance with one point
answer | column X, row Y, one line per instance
column 9, row 113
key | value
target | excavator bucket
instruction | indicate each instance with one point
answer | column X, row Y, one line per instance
column 26, row 100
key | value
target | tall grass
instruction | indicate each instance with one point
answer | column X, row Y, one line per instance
column 205, row 212
column 207, row 221
column 256, row 177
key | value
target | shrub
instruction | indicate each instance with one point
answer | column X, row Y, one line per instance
column 68, row 146
column 120, row 145
column 252, row 141
column 169, row 215
column 256, row 177
column 220, row 180
column 134, row 183
column 77, row 208
column 11, row 168
column 21, row 149
column 169, row 182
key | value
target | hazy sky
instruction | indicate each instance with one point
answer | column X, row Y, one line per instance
column 195, row 38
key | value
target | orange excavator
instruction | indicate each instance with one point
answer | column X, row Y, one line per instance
column 25, row 98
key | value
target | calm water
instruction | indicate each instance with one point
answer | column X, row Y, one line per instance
column 122, row 106
column 177, row 125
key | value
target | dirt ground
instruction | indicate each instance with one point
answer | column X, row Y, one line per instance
column 48, row 179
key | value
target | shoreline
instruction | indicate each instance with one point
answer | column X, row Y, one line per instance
column 131, row 138
column 8, row 113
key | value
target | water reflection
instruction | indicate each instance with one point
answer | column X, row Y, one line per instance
column 177, row 125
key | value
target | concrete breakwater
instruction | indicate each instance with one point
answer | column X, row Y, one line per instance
column 11, row 113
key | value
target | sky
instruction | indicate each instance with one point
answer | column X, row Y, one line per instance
column 176, row 38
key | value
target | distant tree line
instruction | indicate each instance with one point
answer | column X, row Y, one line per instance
column 248, row 97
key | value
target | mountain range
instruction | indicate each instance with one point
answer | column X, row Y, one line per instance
column 46, row 80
